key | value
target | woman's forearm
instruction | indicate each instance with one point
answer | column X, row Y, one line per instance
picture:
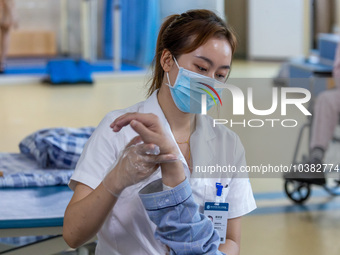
column 230, row 247
column 233, row 237
column 84, row 218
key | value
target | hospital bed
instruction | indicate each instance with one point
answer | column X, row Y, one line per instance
column 33, row 197
column 34, row 215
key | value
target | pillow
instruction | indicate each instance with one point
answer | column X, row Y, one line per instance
column 56, row 147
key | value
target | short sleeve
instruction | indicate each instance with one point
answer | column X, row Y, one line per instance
column 99, row 154
column 240, row 196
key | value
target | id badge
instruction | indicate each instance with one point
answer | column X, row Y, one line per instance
column 218, row 214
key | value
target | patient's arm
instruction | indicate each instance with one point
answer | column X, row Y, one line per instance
column 180, row 226
column 172, row 173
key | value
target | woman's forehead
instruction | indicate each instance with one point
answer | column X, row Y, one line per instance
column 218, row 50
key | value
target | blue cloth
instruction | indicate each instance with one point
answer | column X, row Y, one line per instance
column 19, row 170
column 140, row 25
column 180, row 226
column 57, row 147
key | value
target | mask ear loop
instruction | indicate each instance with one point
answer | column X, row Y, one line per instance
column 176, row 62
column 168, row 84
column 167, row 74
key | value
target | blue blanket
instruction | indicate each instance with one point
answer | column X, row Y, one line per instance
column 19, row 170
column 47, row 158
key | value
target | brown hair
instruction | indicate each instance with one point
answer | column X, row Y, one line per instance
column 176, row 34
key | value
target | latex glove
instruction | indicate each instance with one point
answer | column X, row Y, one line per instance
column 136, row 162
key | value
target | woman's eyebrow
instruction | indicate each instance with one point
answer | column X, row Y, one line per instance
column 211, row 63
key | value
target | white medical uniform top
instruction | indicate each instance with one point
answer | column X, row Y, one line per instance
column 127, row 229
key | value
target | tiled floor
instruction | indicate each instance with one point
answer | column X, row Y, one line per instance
column 279, row 227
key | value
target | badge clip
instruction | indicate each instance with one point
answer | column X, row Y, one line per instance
column 219, row 188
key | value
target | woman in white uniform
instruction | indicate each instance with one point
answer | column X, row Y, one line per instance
column 110, row 172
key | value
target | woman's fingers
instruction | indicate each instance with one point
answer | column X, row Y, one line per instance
column 148, row 119
column 146, row 134
column 149, row 128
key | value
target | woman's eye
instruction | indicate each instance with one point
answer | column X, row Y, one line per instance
column 220, row 77
column 202, row 69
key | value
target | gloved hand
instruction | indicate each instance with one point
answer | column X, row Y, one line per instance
column 136, row 162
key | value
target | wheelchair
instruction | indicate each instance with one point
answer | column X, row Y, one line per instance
column 298, row 190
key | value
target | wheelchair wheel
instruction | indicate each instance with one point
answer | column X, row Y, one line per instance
column 332, row 185
column 297, row 191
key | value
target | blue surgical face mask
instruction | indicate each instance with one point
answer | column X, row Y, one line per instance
column 188, row 89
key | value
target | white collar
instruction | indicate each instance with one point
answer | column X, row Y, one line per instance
column 151, row 105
